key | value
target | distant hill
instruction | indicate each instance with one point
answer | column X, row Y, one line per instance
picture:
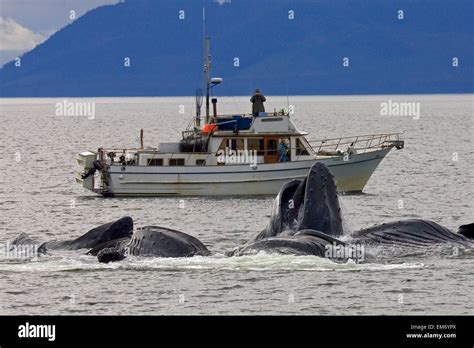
column 281, row 56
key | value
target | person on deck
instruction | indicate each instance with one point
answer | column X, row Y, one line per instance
column 283, row 151
column 257, row 101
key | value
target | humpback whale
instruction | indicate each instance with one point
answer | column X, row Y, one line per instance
column 305, row 220
column 304, row 242
column 151, row 241
column 113, row 241
column 109, row 232
column 409, row 233
column 308, row 204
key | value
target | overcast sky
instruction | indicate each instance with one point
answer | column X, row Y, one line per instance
column 26, row 23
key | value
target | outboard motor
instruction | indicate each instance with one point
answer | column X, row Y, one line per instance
column 87, row 160
column 96, row 166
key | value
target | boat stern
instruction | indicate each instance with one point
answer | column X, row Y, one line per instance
column 86, row 162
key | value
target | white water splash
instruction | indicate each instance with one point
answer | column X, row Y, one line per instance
column 260, row 262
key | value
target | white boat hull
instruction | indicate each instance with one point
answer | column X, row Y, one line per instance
column 235, row 180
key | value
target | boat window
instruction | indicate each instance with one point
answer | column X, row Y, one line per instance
column 176, row 161
column 200, row 162
column 155, row 161
column 300, row 148
column 256, row 144
column 236, row 144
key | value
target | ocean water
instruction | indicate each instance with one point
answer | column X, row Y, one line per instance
column 431, row 178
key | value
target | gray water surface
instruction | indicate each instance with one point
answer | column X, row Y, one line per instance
column 431, row 178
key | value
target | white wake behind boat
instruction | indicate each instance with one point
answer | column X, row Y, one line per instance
column 232, row 155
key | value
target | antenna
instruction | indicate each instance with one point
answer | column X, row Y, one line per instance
column 207, row 68
column 208, row 82
column 198, row 107
column 287, row 97
column 204, row 23
column 199, row 91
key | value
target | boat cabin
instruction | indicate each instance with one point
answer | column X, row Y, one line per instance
column 230, row 140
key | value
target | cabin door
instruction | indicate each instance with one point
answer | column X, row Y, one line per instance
column 271, row 150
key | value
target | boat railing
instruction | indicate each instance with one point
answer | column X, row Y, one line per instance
column 325, row 147
column 358, row 143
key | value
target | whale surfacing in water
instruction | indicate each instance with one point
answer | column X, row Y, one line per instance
column 109, row 232
column 153, row 241
column 411, row 233
column 308, row 204
column 305, row 242
column 114, row 240
column 164, row 242
column 306, row 220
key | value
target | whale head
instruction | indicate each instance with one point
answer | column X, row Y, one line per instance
column 311, row 203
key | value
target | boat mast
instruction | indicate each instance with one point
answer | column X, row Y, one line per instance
column 207, row 68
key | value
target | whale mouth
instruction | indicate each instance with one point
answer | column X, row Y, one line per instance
column 308, row 204
column 305, row 220
column 321, row 209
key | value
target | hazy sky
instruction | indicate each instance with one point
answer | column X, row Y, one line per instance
column 26, row 23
